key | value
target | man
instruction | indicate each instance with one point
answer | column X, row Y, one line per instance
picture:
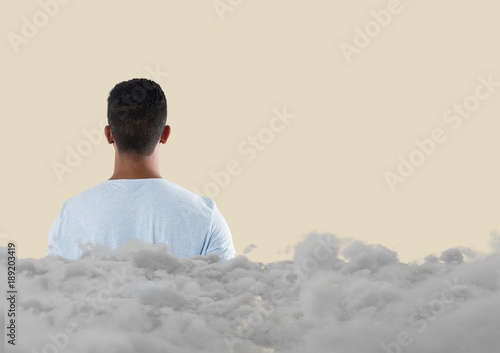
column 136, row 202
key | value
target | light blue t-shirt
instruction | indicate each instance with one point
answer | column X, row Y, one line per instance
column 151, row 210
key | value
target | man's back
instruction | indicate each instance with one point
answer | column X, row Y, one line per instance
column 152, row 210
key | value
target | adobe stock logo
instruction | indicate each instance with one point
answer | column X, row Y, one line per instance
column 31, row 26
column 223, row 6
column 95, row 302
column 363, row 36
column 442, row 302
column 75, row 155
column 454, row 118
column 250, row 148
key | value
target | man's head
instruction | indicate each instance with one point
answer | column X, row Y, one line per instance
column 137, row 114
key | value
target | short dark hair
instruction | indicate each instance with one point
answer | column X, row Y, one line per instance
column 137, row 114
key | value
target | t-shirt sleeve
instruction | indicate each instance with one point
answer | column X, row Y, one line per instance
column 221, row 240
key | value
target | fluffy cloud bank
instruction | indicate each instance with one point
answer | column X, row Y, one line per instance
column 334, row 296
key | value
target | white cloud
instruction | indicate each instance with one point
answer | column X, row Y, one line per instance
column 332, row 297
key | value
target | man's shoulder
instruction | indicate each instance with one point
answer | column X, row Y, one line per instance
column 95, row 190
column 188, row 194
column 193, row 203
column 157, row 187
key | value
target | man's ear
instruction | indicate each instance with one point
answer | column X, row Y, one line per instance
column 108, row 134
column 165, row 134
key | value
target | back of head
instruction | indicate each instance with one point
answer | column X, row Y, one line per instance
column 137, row 114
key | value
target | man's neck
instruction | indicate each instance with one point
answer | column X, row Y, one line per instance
column 133, row 167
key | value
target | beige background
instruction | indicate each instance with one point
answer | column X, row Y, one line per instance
column 324, row 172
